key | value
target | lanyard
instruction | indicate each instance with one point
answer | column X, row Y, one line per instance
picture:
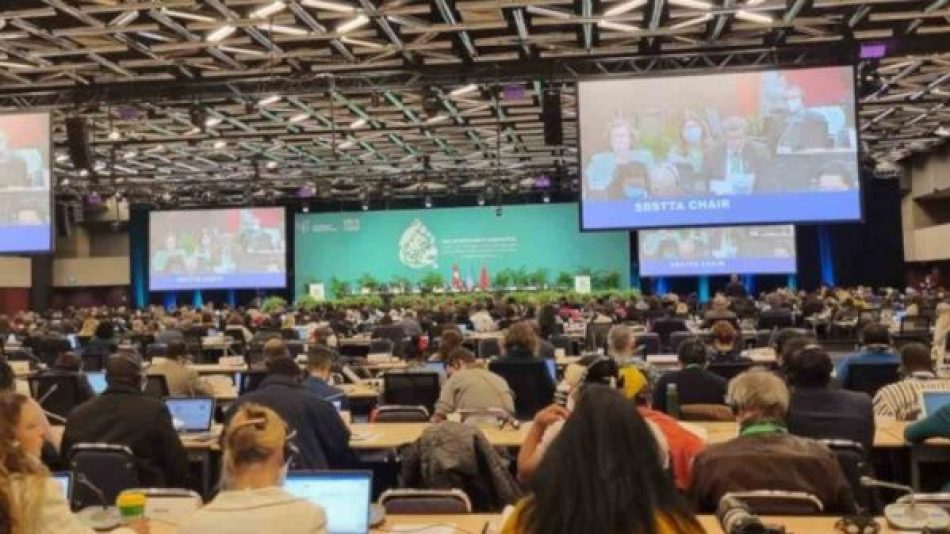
column 693, row 366
column 763, row 428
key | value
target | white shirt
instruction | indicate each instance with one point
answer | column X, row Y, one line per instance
column 54, row 514
column 255, row 511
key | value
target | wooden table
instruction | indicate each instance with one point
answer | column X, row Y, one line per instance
column 380, row 436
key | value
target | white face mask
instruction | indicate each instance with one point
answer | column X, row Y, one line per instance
column 693, row 134
column 794, row 104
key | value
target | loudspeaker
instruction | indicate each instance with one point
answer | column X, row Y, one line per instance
column 64, row 220
column 77, row 139
column 551, row 116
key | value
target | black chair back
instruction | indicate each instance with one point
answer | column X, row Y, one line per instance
column 774, row 319
column 156, row 386
column 411, row 389
column 153, row 350
column 417, row 501
column 490, row 347
column 664, row 327
column 395, row 333
column 650, row 342
column 391, row 413
column 853, row 460
column 250, row 381
column 677, row 339
column 597, row 334
column 916, row 324
column 381, row 346
column 728, row 370
column 532, row 383
column 108, row 468
column 561, row 341
column 870, row 377
column 294, row 348
column 57, row 394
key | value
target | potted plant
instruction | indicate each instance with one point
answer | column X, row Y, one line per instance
column 434, row 281
column 339, row 288
column 367, row 283
column 273, row 304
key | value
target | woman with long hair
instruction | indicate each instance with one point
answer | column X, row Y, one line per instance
column 605, row 464
column 31, row 502
column 941, row 331
column 255, row 448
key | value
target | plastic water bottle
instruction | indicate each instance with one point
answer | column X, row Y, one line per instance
column 673, row 401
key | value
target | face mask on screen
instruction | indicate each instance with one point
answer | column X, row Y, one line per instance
column 794, row 104
column 693, row 134
column 634, row 192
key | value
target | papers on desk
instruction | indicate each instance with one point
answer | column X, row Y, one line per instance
column 440, row 528
column 362, row 436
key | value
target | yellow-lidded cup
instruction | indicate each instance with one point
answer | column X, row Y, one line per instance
column 131, row 506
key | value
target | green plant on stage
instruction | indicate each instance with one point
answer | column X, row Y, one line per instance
column 610, row 280
column 538, row 278
column 520, row 278
column 367, row 281
column 273, row 304
column 339, row 288
column 432, row 281
column 401, row 282
column 503, row 279
column 565, row 280
column 307, row 303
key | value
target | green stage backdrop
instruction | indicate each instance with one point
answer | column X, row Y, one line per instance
column 464, row 248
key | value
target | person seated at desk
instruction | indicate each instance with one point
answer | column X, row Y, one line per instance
column 319, row 368
column 694, row 384
column 901, row 400
column 170, row 333
column 545, row 347
column 182, row 381
column 103, row 342
column 765, row 456
column 68, row 364
column 449, row 341
column 235, row 327
column 254, row 460
column 471, row 387
column 30, row 499
column 321, row 436
column 124, row 415
column 726, row 343
column 876, row 339
column 521, row 343
column 606, row 465
column 819, row 411
column 719, row 311
column 482, row 320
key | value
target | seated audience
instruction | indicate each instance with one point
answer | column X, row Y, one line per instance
column 765, row 456
column 103, row 342
column 718, row 311
column 545, row 347
column 253, row 461
column 182, row 381
column 170, row 333
column 449, row 341
column 877, row 343
column 31, row 501
column 694, row 384
column 521, row 343
column 471, row 387
column 68, row 364
column 725, row 345
column 819, row 411
column 901, row 400
column 319, row 369
column 482, row 320
column 124, row 415
column 321, row 436
column 606, row 465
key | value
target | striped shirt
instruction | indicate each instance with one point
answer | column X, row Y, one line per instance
column 901, row 399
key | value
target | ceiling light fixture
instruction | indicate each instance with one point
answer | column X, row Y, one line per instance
column 428, row 201
column 114, row 135
column 220, row 34
column 694, row 4
column 464, row 90
column 548, row 12
column 352, row 24
column 15, row 65
column 286, row 30
column 437, row 118
column 363, row 43
column 211, row 122
column 220, row 144
column 266, row 11
column 624, row 7
column 242, row 51
column 188, row 15
column 268, row 100
column 300, row 117
column 608, row 25
column 749, row 16
column 125, row 18
column 330, row 6
column 62, row 158
column 358, row 123
column 271, row 164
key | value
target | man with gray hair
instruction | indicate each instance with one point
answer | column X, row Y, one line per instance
column 765, row 456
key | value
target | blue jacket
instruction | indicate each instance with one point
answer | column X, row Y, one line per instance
column 322, row 437
column 869, row 356
column 321, row 388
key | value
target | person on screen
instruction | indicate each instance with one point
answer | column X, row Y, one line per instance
column 804, row 129
column 13, row 169
column 600, row 172
column 737, row 165
column 664, row 181
column 835, row 176
column 688, row 153
column 165, row 260
column 630, row 182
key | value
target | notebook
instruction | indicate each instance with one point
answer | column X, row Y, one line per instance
column 191, row 415
column 931, row 401
column 97, row 379
column 344, row 496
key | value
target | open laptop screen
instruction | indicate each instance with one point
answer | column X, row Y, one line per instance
column 344, row 496
column 552, row 368
column 97, row 379
column 933, row 401
column 65, row 482
column 191, row 414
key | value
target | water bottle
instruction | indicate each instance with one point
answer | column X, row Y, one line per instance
column 673, row 401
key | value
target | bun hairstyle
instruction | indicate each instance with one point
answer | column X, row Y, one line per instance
column 254, row 435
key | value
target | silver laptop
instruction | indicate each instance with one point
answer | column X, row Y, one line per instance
column 931, row 401
column 191, row 415
column 344, row 496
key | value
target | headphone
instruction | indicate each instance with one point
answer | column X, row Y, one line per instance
column 611, row 374
column 259, row 423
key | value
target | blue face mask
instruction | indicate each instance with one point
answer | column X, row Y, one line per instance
column 634, row 192
column 693, row 134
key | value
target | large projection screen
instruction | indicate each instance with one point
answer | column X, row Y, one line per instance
column 719, row 149
column 217, row 249
column 471, row 248
column 722, row 250
column 25, row 201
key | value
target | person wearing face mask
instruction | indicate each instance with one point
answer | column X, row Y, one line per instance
column 804, row 129
column 31, row 501
column 631, row 182
column 601, row 171
column 687, row 155
column 471, row 387
column 254, row 462
column 125, row 415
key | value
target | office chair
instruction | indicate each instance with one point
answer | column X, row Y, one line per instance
column 778, row 502
column 153, row 350
column 870, row 377
column 425, row 501
column 56, row 394
column 381, row 346
column 393, row 413
column 156, row 386
column 488, row 347
column 101, row 472
column 774, row 319
column 395, row 333
column 411, row 388
column 250, row 381
column 532, row 383
column 677, row 339
column 596, row 336
column 650, row 342
column 853, row 459
column 94, row 359
column 728, row 370
column 665, row 326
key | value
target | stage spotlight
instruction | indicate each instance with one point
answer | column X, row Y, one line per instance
column 546, row 198
column 481, row 200
column 305, row 209
column 428, row 201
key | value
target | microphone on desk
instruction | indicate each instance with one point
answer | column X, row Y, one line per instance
column 910, row 515
column 735, row 518
column 97, row 518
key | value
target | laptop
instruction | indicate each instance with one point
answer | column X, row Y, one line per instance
column 931, row 401
column 73, row 341
column 344, row 496
column 191, row 415
column 552, row 368
column 65, row 481
column 303, row 332
column 97, row 379
column 436, row 367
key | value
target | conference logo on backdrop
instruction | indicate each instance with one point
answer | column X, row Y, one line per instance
column 417, row 247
